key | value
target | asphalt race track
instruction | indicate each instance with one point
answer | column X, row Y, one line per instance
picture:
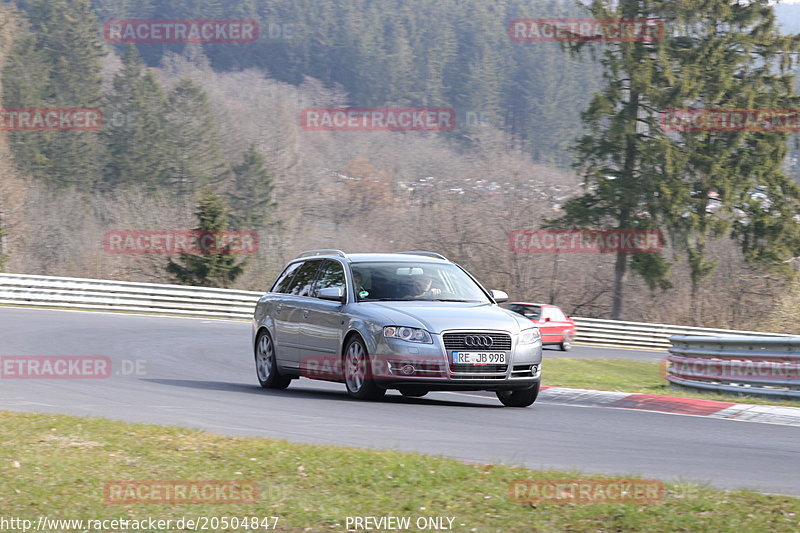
column 199, row 373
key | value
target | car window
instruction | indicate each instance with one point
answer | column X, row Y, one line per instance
column 532, row 312
column 303, row 282
column 285, row 279
column 330, row 276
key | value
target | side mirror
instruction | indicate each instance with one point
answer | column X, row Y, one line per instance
column 333, row 294
column 499, row 296
column 547, row 319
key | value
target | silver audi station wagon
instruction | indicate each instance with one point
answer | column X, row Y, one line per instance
column 411, row 321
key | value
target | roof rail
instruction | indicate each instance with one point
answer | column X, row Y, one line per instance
column 426, row 254
column 312, row 253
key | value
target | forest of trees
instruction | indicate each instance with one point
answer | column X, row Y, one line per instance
column 209, row 134
column 452, row 53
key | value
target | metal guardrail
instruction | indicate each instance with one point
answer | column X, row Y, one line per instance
column 759, row 366
column 180, row 300
column 90, row 294
column 643, row 335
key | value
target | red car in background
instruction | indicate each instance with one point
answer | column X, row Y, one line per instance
column 556, row 327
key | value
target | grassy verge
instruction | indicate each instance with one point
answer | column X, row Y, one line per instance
column 57, row 465
column 642, row 377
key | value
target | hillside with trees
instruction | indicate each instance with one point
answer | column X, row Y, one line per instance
column 399, row 52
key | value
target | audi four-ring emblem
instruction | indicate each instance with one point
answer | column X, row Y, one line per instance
column 478, row 341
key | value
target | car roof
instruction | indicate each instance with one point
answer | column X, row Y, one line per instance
column 529, row 303
column 408, row 257
column 363, row 258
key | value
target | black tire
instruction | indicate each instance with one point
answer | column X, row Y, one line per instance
column 519, row 397
column 358, row 372
column 413, row 393
column 565, row 346
column 266, row 365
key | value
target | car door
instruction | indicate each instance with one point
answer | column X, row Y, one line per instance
column 555, row 325
column 276, row 310
column 288, row 312
column 322, row 321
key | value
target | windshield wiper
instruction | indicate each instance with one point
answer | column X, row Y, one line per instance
column 417, row 300
column 388, row 300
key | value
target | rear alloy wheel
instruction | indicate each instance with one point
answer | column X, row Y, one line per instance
column 519, row 397
column 413, row 393
column 267, row 366
column 358, row 372
column 565, row 346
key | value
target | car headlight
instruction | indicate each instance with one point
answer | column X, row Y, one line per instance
column 529, row 336
column 407, row 334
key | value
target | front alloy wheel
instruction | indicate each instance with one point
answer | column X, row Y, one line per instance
column 358, row 372
column 267, row 366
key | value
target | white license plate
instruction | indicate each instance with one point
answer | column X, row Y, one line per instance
column 479, row 358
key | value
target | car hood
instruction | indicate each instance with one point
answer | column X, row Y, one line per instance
column 437, row 317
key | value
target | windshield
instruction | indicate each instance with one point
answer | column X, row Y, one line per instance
column 529, row 311
column 408, row 281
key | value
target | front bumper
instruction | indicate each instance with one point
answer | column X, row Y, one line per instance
column 429, row 366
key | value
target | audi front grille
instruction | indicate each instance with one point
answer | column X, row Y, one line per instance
column 477, row 341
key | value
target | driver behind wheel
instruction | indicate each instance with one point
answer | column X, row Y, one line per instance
column 423, row 287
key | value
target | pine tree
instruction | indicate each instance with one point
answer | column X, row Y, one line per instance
column 57, row 66
column 401, row 70
column 251, row 199
column 714, row 54
column 194, row 141
column 136, row 128
column 615, row 156
column 735, row 58
column 26, row 84
column 218, row 269
column 443, row 44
